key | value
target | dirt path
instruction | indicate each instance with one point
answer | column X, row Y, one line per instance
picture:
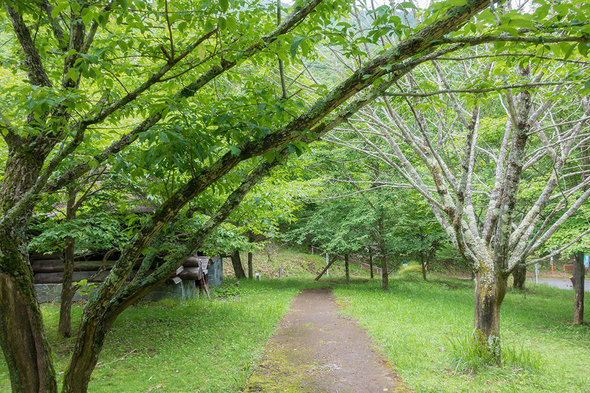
column 316, row 350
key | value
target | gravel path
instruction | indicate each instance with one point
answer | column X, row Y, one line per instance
column 316, row 350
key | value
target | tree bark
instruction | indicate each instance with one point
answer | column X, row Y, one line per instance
column 22, row 337
column 250, row 265
column 67, row 289
column 236, row 262
column 91, row 336
column 490, row 289
column 384, row 272
column 578, row 280
column 346, row 268
column 371, row 261
column 519, row 275
column 423, row 265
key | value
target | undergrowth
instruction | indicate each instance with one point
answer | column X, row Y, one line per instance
column 466, row 357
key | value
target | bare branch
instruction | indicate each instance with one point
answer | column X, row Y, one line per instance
column 480, row 90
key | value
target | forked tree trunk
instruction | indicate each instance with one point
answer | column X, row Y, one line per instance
column 578, row 280
column 22, row 337
column 490, row 289
column 346, row 267
column 236, row 262
column 519, row 275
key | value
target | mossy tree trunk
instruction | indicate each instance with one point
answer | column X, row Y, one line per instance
column 22, row 338
column 519, row 275
column 490, row 289
column 578, row 280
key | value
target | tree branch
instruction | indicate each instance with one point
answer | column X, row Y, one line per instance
column 33, row 63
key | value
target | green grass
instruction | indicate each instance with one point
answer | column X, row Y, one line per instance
column 424, row 328
column 199, row 346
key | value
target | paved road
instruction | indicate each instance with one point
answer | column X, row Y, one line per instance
column 561, row 283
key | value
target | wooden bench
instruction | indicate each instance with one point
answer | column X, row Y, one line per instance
column 568, row 268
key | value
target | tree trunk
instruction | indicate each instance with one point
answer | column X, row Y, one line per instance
column 250, row 266
column 490, row 289
column 519, row 275
column 325, row 269
column 423, row 264
column 236, row 261
column 346, row 268
column 88, row 346
column 22, row 337
column 579, row 289
column 384, row 272
column 371, row 261
column 67, row 290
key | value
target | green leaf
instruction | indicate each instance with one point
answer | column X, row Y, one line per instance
column 295, row 45
column 583, row 48
column 58, row 8
column 224, row 5
column 235, row 151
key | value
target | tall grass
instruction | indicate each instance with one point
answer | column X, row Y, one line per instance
column 466, row 357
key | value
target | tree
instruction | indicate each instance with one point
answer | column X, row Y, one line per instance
column 109, row 74
column 481, row 154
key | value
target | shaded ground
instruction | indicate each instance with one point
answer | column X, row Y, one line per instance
column 316, row 350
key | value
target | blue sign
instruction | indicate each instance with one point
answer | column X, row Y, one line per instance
column 586, row 261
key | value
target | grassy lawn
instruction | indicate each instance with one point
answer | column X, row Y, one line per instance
column 199, row 346
column 421, row 327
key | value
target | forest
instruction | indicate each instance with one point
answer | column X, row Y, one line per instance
column 397, row 152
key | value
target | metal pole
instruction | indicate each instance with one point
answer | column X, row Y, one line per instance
column 536, row 273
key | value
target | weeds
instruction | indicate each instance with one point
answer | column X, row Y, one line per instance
column 465, row 356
